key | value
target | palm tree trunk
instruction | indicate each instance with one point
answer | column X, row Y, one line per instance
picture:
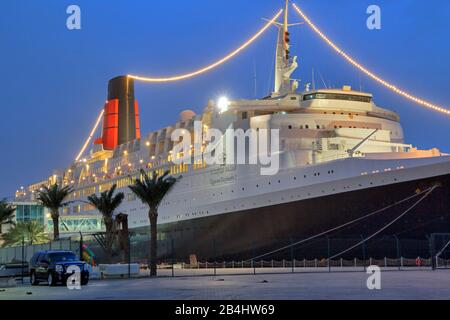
column 109, row 239
column 153, row 217
column 55, row 218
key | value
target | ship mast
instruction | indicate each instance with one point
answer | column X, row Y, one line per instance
column 285, row 65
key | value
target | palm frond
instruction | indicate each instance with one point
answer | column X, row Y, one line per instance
column 28, row 232
column 52, row 197
column 107, row 202
column 6, row 212
column 151, row 189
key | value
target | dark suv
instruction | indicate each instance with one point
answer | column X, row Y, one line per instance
column 51, row 266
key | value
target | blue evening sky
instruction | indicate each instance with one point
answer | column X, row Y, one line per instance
column 53, row 81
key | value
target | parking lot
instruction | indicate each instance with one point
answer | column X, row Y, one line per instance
column 415, row 284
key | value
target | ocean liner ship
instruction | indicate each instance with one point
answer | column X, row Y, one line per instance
column 341, row 157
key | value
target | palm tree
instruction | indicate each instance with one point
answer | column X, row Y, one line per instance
column 31, row 232
column 151, row 191
column 107, row 203
column 6, row 213
column 52, row 198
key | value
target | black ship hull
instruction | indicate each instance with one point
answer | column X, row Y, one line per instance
column 246, row 234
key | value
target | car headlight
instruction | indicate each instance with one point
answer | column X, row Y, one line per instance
column 59, row 268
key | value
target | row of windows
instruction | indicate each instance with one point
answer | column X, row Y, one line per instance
column 234, row 207
column 306, row 126
column 336, row 96
column 290, row 127
column 315, row 174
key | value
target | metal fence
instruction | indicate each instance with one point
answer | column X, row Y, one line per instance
column 390, row 253
column 25, row 252
column 262, row 267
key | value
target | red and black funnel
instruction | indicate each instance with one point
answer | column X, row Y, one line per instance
column 121, row 117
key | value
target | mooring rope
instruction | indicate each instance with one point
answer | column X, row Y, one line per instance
column 343, row 225
column 386, row 226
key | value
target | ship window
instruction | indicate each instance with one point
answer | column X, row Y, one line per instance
column 337, row 96
column 244, row 115
column 293, row 98
column 301, row 127
column 318, row 127
column 306, row 126
column 290, row 127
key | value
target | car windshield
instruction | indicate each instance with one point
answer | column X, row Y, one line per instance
column 62, row 256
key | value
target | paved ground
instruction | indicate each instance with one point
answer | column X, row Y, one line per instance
column 337, row 285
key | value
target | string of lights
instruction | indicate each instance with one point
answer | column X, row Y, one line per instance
column 213, row 65
column 366, row 71
column 100, row 116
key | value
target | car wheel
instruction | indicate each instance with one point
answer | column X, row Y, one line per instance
column 51, row 279
column 33, row 280
column 84, row 281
